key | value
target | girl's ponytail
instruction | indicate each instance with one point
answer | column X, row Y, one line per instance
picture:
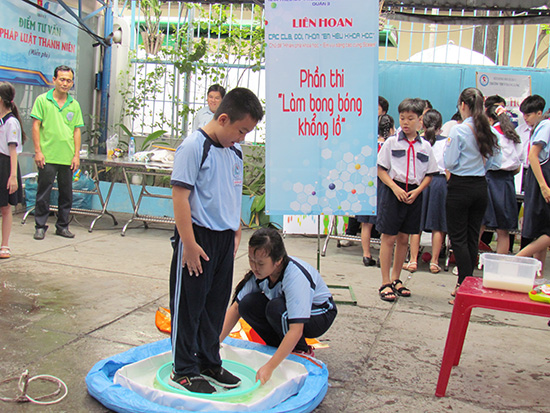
column 486, row 139
column 7, row 94
column 385, row 125
column 432, row 121
column 241, row 284
column 498, row 114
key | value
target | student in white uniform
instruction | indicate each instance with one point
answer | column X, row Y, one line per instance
column 11, row 144
column 405, row 166
column 434, row 219
column 283, row 298
column 502, row 208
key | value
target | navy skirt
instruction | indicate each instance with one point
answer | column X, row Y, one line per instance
column 502, row 206
column 5, row 170
column 434, row 217
column 536, row 212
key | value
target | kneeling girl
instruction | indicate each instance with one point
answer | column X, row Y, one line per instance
column 284, row 300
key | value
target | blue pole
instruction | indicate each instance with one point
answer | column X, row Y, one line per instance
column 105, row 82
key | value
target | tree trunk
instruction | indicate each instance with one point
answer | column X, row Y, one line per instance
column 485, row 41
column 152, row 42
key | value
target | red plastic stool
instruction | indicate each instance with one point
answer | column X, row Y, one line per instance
column 472, row 294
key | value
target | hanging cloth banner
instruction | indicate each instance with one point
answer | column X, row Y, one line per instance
column 33, row 43
column 322, row 106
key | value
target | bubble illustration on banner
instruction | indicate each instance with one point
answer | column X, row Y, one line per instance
column 339, row 188
column 306, row 198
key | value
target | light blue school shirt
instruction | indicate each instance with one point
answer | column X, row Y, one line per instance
column 541, row 136
column 462, row 156
column 203, row 116
column 301, row 286
column 214, row 175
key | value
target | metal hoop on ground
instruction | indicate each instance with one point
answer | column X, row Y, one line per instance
column 23, row 383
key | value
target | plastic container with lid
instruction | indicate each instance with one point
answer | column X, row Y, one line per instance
column 509, row 272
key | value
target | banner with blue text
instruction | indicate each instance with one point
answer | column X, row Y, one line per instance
column 322, row 106
column 33, row 43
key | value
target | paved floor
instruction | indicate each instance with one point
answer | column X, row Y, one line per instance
column 66, row 304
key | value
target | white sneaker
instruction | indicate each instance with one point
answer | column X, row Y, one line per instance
column 347, row 243
column 455, row 270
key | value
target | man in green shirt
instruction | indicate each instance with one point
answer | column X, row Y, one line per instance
column 57, row 120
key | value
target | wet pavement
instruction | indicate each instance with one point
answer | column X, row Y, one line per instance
column 66, row 304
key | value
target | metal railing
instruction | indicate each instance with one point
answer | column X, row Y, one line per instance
column 185, row 24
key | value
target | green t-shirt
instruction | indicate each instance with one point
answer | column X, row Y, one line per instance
column 57, row 127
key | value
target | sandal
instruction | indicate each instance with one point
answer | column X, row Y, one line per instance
column 384, row 296
column 5, row 252
column 411, row 266
column 368, row 262
column 434, row 267
column 401, row 291
column 453, row 294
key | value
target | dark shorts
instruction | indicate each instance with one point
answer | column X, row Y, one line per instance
column 395, row 216
column 366, row 219
column 536, row 211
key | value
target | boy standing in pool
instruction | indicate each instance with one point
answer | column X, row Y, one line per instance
column 207, row 188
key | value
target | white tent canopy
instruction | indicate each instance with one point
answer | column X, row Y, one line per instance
column 451, row 53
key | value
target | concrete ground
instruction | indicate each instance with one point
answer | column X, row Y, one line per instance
column 66, row 304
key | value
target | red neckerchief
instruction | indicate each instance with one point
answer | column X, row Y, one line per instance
column 411, row 148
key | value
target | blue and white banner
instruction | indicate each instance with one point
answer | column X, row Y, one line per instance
column 33, row 43
column 322, row 106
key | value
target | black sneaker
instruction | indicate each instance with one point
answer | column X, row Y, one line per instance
column 64, row 233
column 39, row 233
column 368, row 262
column 221, row 377
column 195, row 384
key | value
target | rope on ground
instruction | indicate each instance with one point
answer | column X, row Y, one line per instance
column 25, row 380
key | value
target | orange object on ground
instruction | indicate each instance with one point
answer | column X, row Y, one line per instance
column 163, row 320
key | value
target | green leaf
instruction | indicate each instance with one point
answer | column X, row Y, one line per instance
column 152, row 137
column 126, row 130
column 258, row 204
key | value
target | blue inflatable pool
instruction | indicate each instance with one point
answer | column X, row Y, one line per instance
column 291, row 390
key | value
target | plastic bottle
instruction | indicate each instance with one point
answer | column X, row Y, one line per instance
column 112, row 143
column 131, row 147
